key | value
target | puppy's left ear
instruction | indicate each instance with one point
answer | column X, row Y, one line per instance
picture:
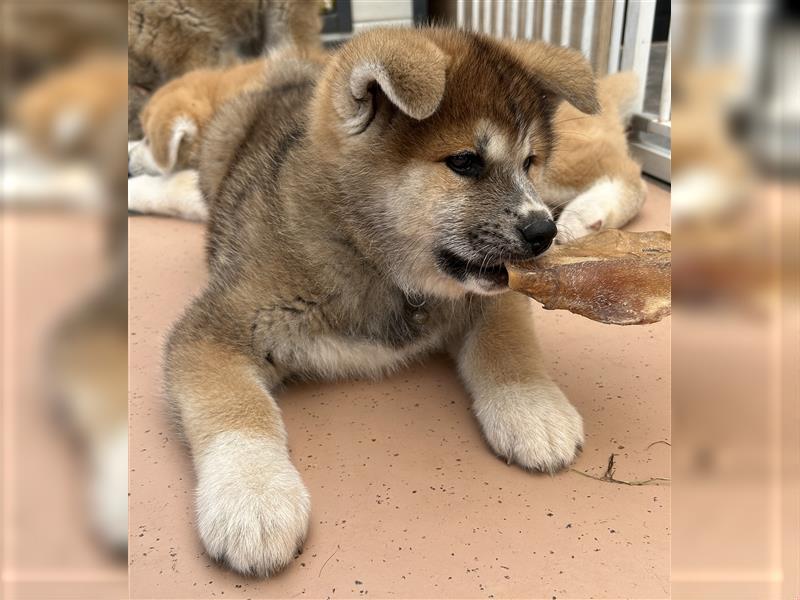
column 564, row 71
column 405, row 65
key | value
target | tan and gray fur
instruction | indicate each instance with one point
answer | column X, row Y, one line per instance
column 343, row 242
column 167, row 38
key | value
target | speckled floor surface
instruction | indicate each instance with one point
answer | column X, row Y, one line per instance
column 407, row 499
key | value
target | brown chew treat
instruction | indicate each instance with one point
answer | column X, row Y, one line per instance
column 613, row 276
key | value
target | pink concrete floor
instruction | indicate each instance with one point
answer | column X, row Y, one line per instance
column 407, row 499
column 51, row 261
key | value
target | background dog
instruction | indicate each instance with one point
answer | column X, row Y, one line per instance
column 175, row 117
column 167, row 38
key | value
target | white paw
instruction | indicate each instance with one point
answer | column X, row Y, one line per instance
column 574, row 224
column 175, row 195
column 532, row 425
column 609, row 202
column 252, row 506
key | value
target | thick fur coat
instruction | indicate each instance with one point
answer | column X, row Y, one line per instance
column 360, row 210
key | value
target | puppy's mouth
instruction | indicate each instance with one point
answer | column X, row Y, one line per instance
column 461, row 269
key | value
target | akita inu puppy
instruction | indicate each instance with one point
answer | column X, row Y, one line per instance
column 360, row 214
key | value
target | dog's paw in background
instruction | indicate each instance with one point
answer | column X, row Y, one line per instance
column 175, row 195
column 252, row 507
column 607, row 204
column 578, row 222
column 533, row 426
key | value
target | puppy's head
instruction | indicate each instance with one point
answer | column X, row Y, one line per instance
column 171, row 123
column 439, row 138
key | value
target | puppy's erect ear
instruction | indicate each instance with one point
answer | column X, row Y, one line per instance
column 407, row 67
column 564, row 71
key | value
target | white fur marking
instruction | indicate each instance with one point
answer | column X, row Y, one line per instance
column 609, row 203
column 532, row 203
column 140, row 154
column 529, row 422
column 497, row 146
column 176, row 195
column 182, row 127
column 140, row 159
column 334, row 357
column 532, row 424
column 252, row 506
column 482, row 287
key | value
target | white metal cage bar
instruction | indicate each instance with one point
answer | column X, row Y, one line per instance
column 500, row 19
column 529, row 19
column 617, row 18
column 487, row 17
column 566, row 21
column 547, row 20
column 514, row 33
column 587, row 28
column 665, row 102
column 636, row 43
column 474, row 15
column 461, row 10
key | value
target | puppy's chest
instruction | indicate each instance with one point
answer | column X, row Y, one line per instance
column 349, row 336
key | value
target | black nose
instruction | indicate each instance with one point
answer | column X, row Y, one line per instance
column 538, row 230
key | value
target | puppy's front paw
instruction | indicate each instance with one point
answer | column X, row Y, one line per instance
column 252, row 506
column 534, row 426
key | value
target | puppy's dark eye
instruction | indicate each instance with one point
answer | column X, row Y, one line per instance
column 467, row 164
column 531, row 160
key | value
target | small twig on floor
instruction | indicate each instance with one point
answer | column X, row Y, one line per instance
column 658, row 442
column 608, row 476
column 326, row 561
